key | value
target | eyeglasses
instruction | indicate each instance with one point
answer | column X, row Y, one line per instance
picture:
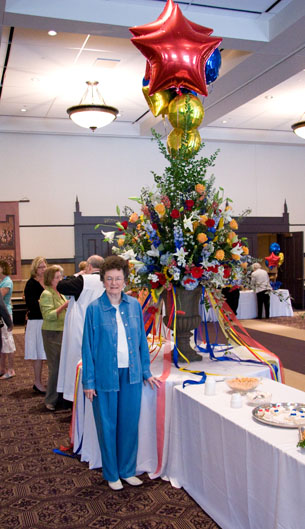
column 115, row 279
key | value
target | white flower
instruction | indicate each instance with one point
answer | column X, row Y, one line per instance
column 128, row 254
column 237, row 250
column 188, row 223
column 153, row 277
column 153, row 252
column 181, row 253
column 109, row 236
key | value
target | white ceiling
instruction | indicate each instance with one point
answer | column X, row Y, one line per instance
column 263, row 55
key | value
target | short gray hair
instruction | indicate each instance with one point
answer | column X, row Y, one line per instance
column 95, row 261
column 256, row 266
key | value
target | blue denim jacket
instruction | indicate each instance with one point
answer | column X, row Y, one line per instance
column 99, row 348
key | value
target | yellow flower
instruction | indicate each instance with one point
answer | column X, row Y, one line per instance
column 200, row 189
column 220, row 224
column 203, row 219
column 231, row 235
column 121, row 242
column 201, row 237
column 133, row 217
column 246, row 250
column 160, row 209
column 233, row 224
column 235, row 256
column 220, row 255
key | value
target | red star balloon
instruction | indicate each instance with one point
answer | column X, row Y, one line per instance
column 272, row 260
column 177, row 54
column 146, row 29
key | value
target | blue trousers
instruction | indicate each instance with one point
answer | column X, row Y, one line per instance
column 116, row 415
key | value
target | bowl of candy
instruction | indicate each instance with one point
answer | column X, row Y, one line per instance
column 243, row 384
column 301, row 443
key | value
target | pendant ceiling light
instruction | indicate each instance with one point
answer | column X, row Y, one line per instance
column 92, row 112
column 299, row 128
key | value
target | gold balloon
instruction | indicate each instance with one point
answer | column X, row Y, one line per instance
column 158, row 102
column 174, row 142
column 180, row 117
column 281, row 260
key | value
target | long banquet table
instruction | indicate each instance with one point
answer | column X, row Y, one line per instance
column 280, row 305
column 244, row 474
column 155, row 417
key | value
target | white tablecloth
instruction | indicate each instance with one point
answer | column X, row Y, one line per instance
column 280, row 305
column 85, row 436
column 244, row 474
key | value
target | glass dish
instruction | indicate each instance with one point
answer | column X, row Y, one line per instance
column 243, row 384
column 281, row 414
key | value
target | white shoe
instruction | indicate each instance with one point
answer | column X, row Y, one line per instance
column 134, row 481
column 115, row 485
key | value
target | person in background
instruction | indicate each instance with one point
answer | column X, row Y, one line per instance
column 53, row 306
column 83, row 289
column 231, row 295
column 4, row 318
column 115, row 364
column 82, row 268
column 34, row 349
column 261, row 285
column 8, row 344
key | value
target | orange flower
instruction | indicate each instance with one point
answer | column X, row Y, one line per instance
column 235, row 256
column 231, row 235
column 195, row 225
column 200, row 189
column 201, row 237
column 244, row 265
column 121, row 242
column 220, row 255
column 133, row 217
column 246, row 250
column 160, row 209
column 233, row 224
column 203, row 219
column 138, row 227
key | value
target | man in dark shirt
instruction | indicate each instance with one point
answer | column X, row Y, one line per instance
column 73, row 285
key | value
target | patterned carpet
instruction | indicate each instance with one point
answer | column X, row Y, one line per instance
column 42, row 490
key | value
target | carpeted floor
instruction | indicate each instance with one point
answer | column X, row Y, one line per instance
column 42, row 490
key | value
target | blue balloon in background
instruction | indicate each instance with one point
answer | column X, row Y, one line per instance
column 275, row 248
column 145, row 82
column 212, row 67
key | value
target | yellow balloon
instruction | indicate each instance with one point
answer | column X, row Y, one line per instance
column 281, row 260
column 174, row 142
column 158, row 102
column 178, row 115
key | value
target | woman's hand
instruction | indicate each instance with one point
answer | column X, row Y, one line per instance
column 152, row 381
column 90, row 393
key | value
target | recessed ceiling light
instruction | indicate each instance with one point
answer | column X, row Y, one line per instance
column 23, row 109
column 52, row 33
column 269, row 97
column 224, row 121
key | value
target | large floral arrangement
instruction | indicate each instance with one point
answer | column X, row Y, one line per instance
column 184, row 234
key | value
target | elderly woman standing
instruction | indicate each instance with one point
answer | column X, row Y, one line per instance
column 8, row 344
column 34, row 349
column 53, row 307
column 115, row 364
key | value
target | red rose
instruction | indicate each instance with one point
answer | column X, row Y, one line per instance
column 154, row 284
column 189, row 204
column 196, row 272
column 210, row 223
column 226, row 273
column 161, row 277
column 175, row 214
column 124, row 224
column 155, row 226
column 213, row 269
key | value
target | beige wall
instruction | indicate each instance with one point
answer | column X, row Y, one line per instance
column 51, row 170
